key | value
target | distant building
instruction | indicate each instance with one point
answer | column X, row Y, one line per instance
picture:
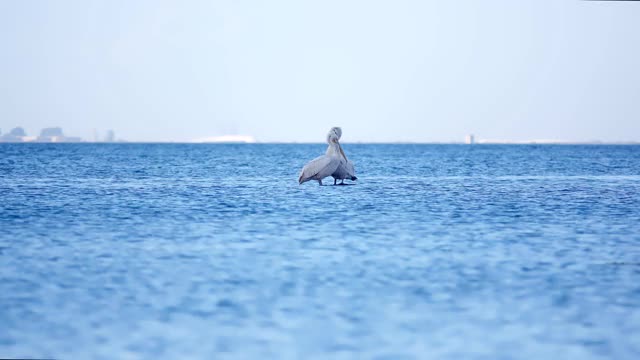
column 55, row 135
column 111, row 136
column 469, row 139
column 51, row 132
column 18, row 131
column 16, row 134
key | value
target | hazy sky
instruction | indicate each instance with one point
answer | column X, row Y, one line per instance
column 289, row 70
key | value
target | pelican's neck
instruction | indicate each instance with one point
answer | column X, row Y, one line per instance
column 333, row 149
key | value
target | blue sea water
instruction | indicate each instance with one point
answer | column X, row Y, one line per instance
column 214, row 251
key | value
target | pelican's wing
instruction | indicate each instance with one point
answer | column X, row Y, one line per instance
column 341, row 170
column 345, row 171
column 351, row 171
column 314, row 167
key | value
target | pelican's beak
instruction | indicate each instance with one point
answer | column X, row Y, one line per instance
column 342, row 151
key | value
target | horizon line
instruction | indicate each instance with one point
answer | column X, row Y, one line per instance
column 480, row 142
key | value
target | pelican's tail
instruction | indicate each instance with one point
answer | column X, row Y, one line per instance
column 353, row 178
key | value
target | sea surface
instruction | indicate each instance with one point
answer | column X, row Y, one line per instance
column 193, row 251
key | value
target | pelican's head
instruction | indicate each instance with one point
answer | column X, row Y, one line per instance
column 334, row 135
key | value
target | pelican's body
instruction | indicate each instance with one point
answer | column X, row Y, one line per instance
column 333, row 163
column 344, row 171
column 325, row 165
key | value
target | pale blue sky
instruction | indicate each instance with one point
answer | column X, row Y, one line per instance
column 289, row 70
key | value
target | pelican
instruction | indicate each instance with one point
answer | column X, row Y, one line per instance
column 346, row 169
column 325, row 165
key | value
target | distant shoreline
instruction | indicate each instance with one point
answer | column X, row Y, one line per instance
column 314, row 143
